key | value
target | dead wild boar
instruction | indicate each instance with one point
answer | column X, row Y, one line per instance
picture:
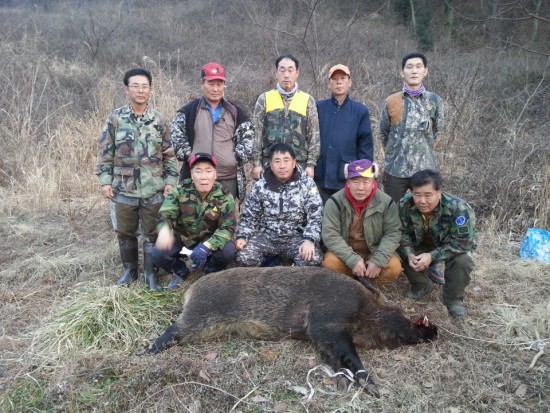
column 332, row 310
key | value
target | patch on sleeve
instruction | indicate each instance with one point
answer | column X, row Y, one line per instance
column 461, row 220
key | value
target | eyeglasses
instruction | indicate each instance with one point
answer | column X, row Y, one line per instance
column 139, row 87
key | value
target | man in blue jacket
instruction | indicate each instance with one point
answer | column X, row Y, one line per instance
column 346, row 136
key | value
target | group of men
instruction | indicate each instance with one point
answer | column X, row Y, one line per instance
column 316, row 199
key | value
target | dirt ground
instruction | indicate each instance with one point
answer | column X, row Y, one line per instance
column 481, row 364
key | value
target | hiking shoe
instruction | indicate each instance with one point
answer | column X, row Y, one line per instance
column 419, row 291
column 456, row 309
column 179, row 276
column 436, row 272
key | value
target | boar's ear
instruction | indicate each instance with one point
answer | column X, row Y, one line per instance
column 423, row 321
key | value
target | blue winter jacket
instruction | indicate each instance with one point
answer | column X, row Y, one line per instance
column 345, row 136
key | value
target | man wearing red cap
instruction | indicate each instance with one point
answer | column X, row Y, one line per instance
column 197, row 215
column 213, row 124
column 361, row 227
column 344, row 125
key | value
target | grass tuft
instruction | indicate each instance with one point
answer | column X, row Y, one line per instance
column 96, row 317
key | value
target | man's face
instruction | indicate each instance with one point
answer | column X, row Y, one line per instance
column 138, row 90
column 339, row 84
column 203, row 175
column 360, row 187
column 426, row 198
column 287, row 74
column 213, row 90
column 282, row 165
column 414, row 72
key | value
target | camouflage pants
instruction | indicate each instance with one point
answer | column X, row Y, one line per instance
column 260, row 246
column 457, row 276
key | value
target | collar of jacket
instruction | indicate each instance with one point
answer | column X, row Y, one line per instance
column 274, row 184
column 335, row 101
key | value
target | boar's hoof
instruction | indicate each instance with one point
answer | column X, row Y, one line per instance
column 342, row 383
column 368, row 386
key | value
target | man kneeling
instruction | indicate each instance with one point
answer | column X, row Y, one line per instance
column 361, row 228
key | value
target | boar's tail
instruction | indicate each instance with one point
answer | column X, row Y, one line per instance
column 166, row 340
column 371, row 287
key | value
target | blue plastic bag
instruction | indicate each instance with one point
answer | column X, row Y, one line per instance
column 536, row 245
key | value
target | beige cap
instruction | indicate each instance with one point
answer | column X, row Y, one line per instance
column 337, row 68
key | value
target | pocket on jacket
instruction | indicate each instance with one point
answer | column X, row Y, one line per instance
column 124, row 179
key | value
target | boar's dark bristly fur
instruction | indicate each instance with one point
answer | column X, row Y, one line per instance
column 332, row 310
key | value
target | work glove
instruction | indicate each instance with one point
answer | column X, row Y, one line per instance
column 199, row 255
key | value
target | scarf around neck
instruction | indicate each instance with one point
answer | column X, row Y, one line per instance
column 287, row 95
column 414, row 93
column 359, row 206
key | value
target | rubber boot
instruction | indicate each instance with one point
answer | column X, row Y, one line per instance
column 421, row 285
column 214, row 265
column 149, row 269
column 129, row 254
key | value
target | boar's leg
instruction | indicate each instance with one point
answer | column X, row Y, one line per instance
column 340, row 352
column 166, row 340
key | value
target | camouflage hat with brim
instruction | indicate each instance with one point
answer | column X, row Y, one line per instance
column 361, row 168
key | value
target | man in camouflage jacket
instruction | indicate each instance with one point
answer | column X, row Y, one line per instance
column 410, row 126
column 438, row 237
column 282, row 215
column 199, row 215
column 286, row 115
column 136, row 167
column 215, row 125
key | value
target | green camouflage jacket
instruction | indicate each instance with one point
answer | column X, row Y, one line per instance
column 212, row 219
column 289, row 130
column 135, row 154
column 408, row 140
column 451, row 226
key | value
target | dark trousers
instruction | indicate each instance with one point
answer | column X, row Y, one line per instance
column 395, row 187
column 326, row 193
column 128, row 218
column 171, row 260
column 457, row 276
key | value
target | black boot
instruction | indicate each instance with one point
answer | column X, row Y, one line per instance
column 149, row 269
column 180, row 274
column 214, row 265
column 129, row 254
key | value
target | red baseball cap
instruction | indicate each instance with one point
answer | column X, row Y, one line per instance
column 213, row 71
column 202, row 157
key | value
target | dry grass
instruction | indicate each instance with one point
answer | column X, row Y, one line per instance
column 67, row 336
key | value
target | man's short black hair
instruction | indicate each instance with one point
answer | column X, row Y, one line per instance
column 426, row 177
column 138, row 71
column 281, row 148
column 413, row 56
column 286, row 56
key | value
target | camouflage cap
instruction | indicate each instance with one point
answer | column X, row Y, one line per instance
column 361, row 167
column 202, row 157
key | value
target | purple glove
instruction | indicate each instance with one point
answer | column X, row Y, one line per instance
column 199, row 255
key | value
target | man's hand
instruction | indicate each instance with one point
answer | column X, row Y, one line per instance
column 167, row 190
column 107, row 191
column 310, row 171
column 359, row 269
column 420, row 262
column 240, row 244
column 165, row 239
column 373, row 270
column 199, row 255
column 307, row 250
column 257, row 172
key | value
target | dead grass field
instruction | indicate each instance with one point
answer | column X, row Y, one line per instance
column 67, row 335
column 51, row 265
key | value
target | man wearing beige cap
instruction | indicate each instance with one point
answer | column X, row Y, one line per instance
column 361, row 227
column 214, row 125
column 344, row 125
